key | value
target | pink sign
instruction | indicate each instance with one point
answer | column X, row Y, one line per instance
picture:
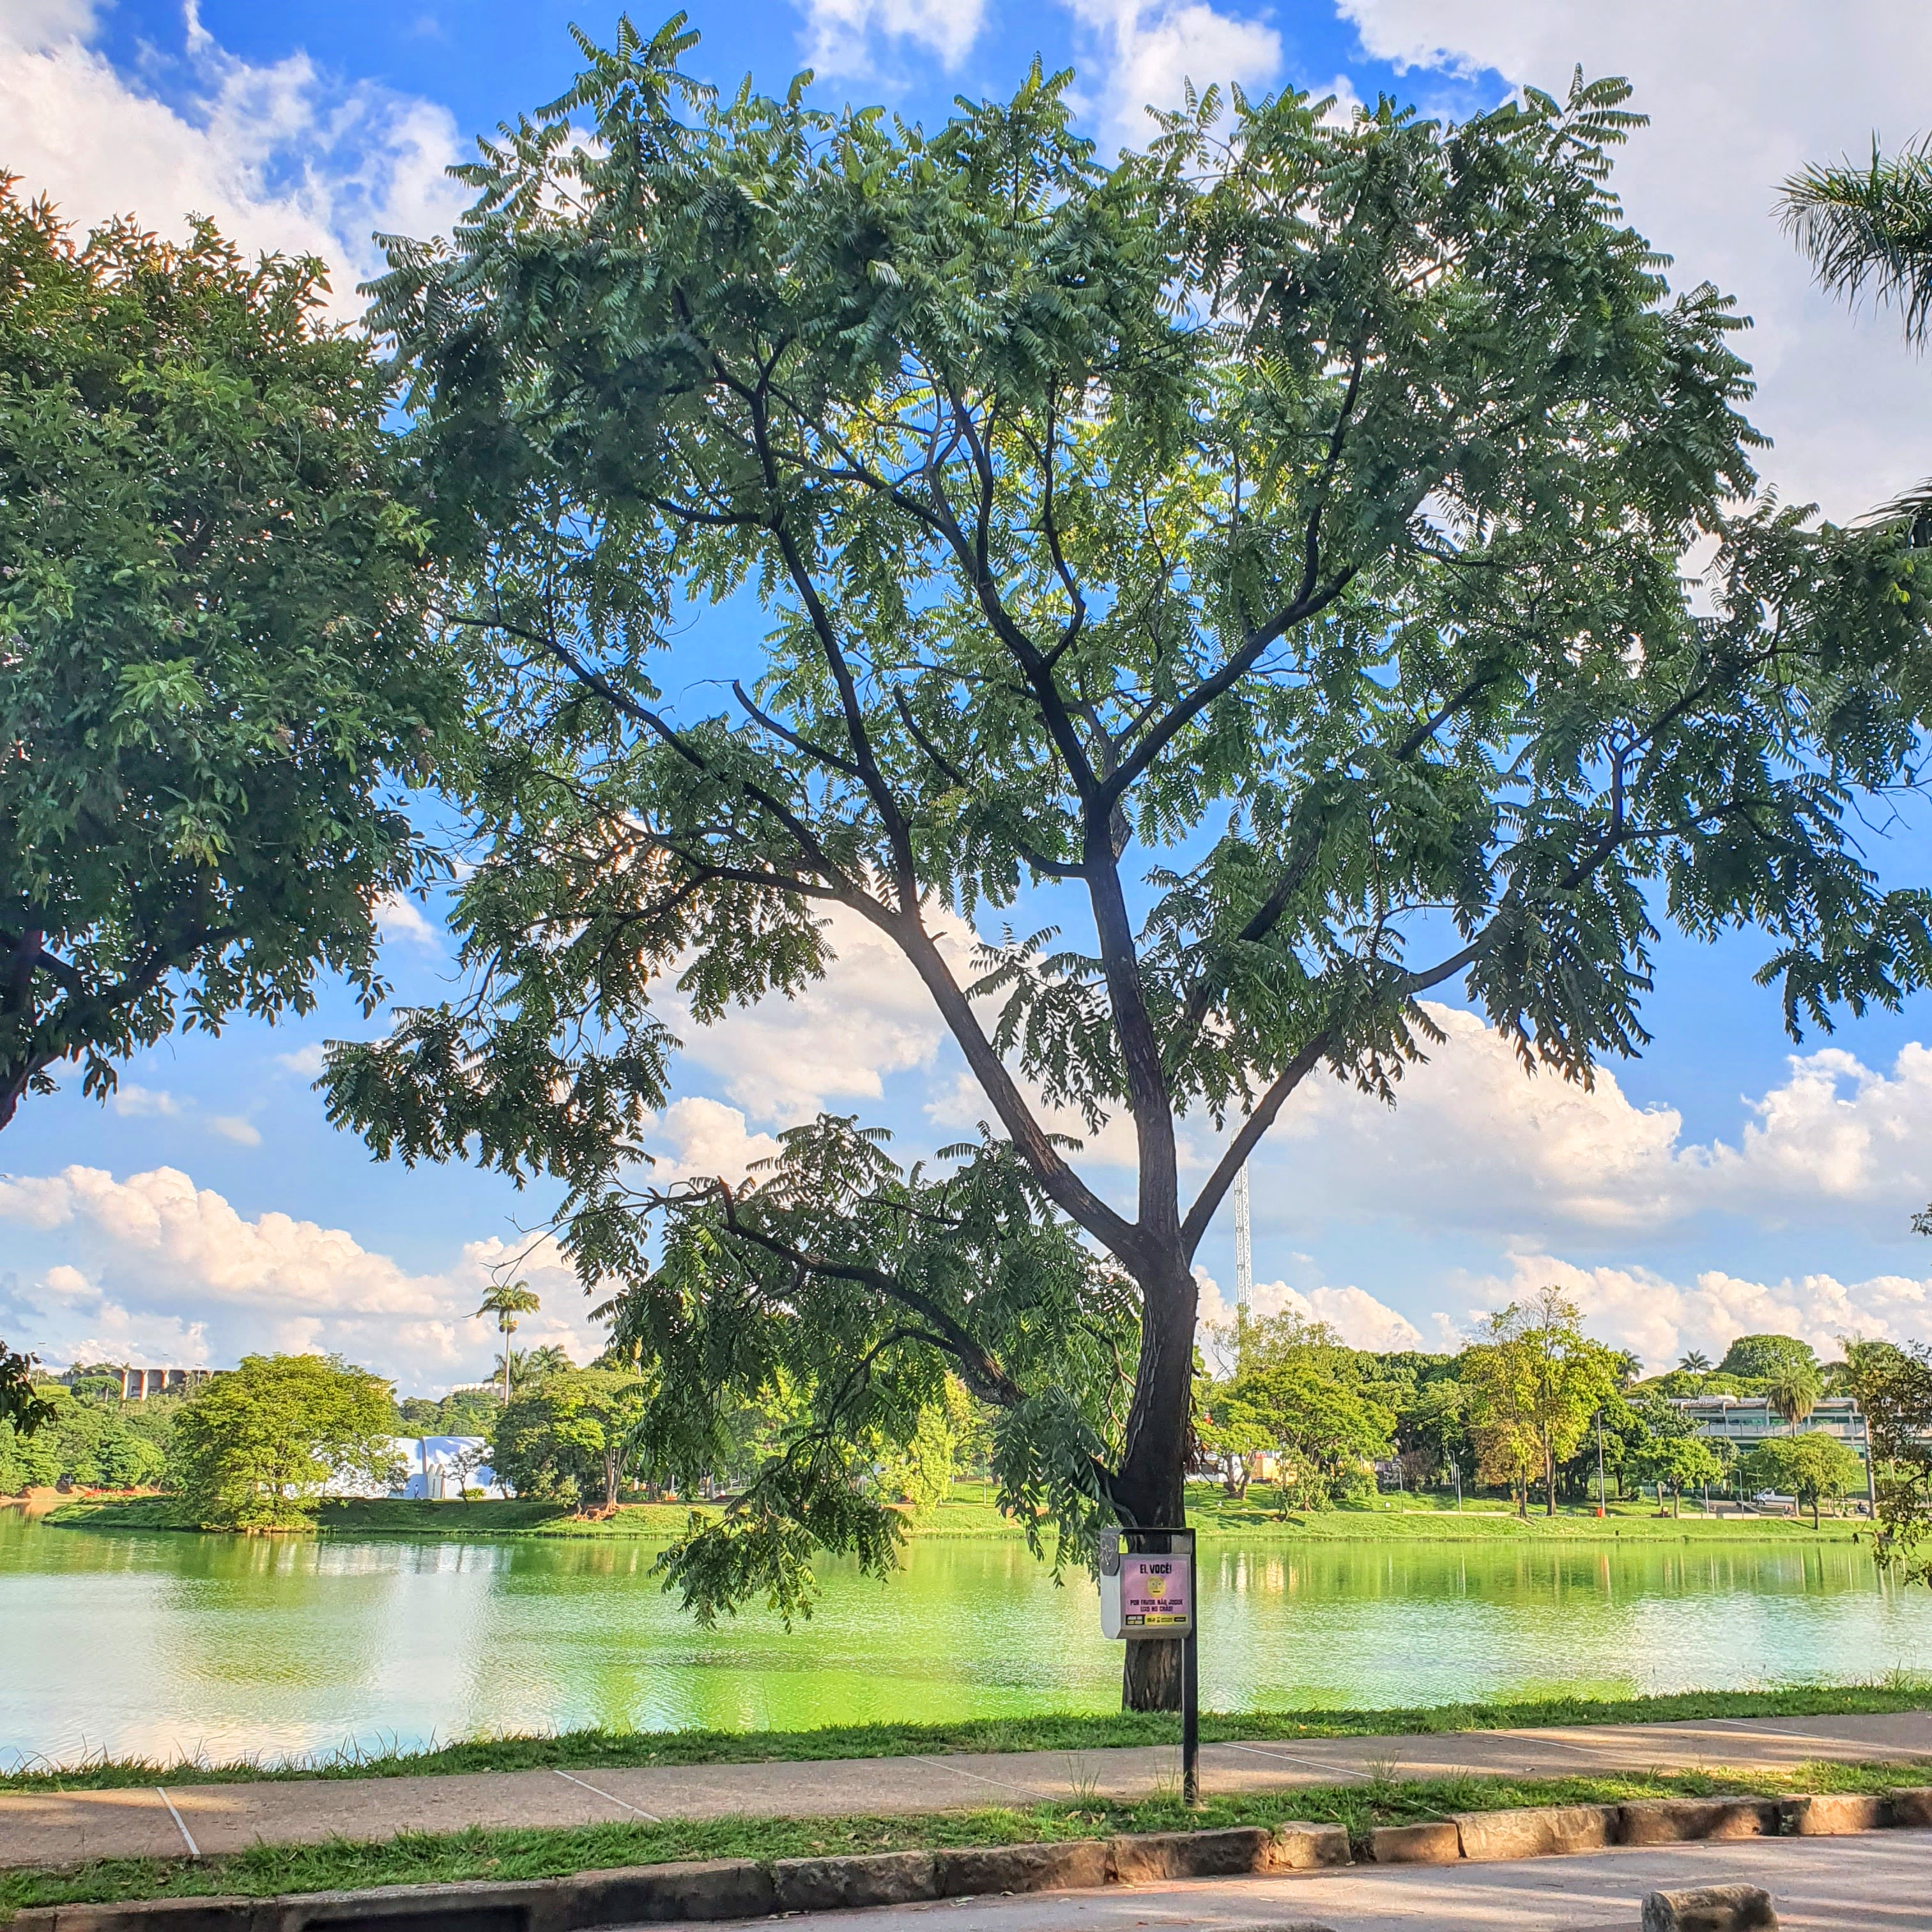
column 1156, row 1592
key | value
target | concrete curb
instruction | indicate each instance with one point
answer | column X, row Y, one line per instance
column 1562, row 1831
column 726, row 1887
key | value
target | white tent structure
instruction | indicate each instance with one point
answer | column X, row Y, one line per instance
column 436, row 1469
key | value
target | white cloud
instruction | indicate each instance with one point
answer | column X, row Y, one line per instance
column 283, row 157
column 154, row 1269
column 403, row 919
column 306, row 1060
column 1474, row 1142
column 234, row 1127
column 1355, row 1315
column 870, row 1016
column 841, row 36
column 1660, row 1318
column 1151, row 47
column 134, row 1102
column 702, row 1139
column 1741, row 94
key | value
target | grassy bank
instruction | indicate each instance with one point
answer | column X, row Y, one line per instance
column 1066, row 1731
column 421, row 1858
column 971, row 1512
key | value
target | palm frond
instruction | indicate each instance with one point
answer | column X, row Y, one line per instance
column 1870, row 229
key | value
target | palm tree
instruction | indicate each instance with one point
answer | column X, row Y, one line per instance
column 1869, row 228
column 1794, row 1392
column 1696, row 1362
column 550, row 1360
column 506, row 1300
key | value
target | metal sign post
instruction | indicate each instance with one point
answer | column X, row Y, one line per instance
column 1147, row 1584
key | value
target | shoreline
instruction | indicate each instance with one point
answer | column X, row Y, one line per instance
column 974, row 1519
column 1062, row 1731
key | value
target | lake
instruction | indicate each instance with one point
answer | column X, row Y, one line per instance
column 156, row 1644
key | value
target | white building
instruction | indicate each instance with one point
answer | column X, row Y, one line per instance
column 437, row 1469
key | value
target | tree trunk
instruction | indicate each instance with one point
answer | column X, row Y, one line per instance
column 1549, row 1481
column 1151, row 1490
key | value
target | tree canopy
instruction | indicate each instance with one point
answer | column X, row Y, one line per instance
column 1868, row 229
column 570, row 1437
column 1533, row 1384
column 214, row 677
column 1763, row 1357
column 1253, row 567
column 1814, row 1467
column 253, row 1449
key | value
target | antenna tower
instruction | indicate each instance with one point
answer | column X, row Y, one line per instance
column 1244, row 1243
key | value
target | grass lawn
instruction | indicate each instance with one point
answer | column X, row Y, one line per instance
column 1066, row 1731
column 423, row 1858
column 970, row 1513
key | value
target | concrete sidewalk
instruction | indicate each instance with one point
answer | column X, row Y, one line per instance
column 70, row 1827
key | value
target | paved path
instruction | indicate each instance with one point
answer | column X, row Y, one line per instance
column 1874, row 1884
column 66, row 1828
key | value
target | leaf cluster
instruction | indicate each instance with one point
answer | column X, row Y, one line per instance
column 213, row 677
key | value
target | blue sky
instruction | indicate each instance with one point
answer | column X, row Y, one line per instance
column 1715, row 1184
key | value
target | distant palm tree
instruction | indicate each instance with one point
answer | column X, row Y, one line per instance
column 1696, row 1362
column 1794, row 1392
column 1869, row 228
column 506, row 1300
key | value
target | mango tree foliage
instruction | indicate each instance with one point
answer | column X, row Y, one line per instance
column 1813, row 1469
column 570, row 1437
column 212, row 670
column 254, row 1450
column 1243, row 582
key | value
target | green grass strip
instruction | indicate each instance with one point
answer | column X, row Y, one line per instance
column 425, row 1858
column 570, row 1751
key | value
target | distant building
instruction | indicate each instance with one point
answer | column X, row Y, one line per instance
column 1745, row 1420
column 137, row 1384
column 435, row 1469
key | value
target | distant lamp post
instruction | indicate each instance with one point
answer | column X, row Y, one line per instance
column 1599, row 1463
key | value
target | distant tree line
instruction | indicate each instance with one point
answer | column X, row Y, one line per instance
column 1526, row 1410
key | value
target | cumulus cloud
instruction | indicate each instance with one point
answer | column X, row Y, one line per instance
column 1660, row 1318
column 153, row 1269
column 702, row 1139
column 1149, row 49
column 1355, row 1315
column 402, row 919
column 842, row 37
column 1475, row 1142
column 283, row 157
column 784, row 1060
column 1741, row 94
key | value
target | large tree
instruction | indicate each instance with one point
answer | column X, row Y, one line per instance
column 213, row 675
column 1256, row 564
column 254, row 1450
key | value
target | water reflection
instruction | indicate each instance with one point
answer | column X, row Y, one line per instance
column 156, row 1644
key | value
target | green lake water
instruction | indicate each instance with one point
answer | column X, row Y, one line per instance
column 156, row 1644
